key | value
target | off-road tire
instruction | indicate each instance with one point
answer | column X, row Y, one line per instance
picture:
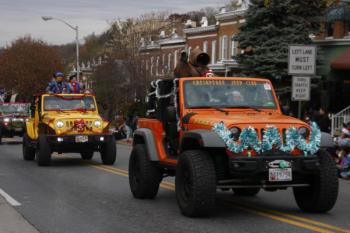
column 28, row 151
column 87, row 155
column 323, row 192
column 144, row 176
column 246, row 192
column 195, row 183
column 43, row 152
column 109, row 152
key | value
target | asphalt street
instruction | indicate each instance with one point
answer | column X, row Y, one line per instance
column 74, row 196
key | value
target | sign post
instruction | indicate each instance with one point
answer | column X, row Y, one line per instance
column 301, row 63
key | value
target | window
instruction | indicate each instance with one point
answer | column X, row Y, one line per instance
column 189, row 51
column 205, row 46
column 151, row 65
column 229, row 94
column 213, row 52
column 169, row 61
column 175, row 58
column 224, row 47
column 329, row 30
column 234, row 45
column 157, row 66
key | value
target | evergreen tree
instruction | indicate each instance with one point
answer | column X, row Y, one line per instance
column 272, row 25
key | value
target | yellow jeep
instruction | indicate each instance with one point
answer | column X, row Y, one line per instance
column 67, row 123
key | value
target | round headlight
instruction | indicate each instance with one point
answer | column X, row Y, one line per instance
column 235, row 132
column 6, row 120
column 304, row 132
column 59, row 124
column 97, row 124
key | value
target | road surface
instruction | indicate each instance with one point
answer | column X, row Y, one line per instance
column 74, row 196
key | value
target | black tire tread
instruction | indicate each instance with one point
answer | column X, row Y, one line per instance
column 204, row 183
column 150, row 175
column 322, row 195
column 28, row 152
column 109, row 152
column 43, row 153
column 87, row 155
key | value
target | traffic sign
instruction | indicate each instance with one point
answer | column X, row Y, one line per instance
column 302, row 60
column 301, row 88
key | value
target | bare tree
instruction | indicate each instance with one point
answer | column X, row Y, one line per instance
column 27, row 66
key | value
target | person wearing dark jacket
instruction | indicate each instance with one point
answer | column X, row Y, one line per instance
column 74, row 85
column 58, row 85
column 323, row 120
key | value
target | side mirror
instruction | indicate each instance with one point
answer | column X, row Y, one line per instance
column 171, row 114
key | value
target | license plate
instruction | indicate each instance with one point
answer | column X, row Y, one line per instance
column 18, row 129
column 280, row 174
column 81, row 139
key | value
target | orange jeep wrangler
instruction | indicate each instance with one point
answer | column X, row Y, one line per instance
column 228, row 133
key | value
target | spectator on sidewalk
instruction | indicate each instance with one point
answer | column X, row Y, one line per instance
column 128, row 127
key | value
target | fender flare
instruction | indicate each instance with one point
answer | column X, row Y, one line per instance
column 145, row 136
column 203, row 138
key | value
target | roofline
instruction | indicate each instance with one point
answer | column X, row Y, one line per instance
column 200, row 29
column 230, row 14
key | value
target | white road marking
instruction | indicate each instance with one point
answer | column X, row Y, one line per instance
column 9, row 199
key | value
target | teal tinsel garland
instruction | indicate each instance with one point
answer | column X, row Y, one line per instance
column 271, row 139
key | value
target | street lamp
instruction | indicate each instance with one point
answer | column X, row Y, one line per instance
column 76, row 29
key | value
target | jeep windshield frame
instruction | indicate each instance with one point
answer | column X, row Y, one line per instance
column 229, row 93
column 68, row 103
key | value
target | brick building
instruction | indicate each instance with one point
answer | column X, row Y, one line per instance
column 334, row 42
column 160, row 57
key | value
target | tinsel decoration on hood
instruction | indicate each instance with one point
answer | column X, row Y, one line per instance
column 271, row 139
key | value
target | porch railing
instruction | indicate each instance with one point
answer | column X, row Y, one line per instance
column 338, row 119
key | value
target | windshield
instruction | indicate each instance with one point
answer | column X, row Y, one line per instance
column 63, row 103
column 14, row 108
column 228, row 94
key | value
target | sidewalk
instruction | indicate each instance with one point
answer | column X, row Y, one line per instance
column 11, row 221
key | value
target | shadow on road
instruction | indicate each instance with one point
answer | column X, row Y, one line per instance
column 11, row 143
column 67, row 162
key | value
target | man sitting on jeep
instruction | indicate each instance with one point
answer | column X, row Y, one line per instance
column 58, row 85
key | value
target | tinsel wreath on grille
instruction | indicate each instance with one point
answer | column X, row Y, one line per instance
column 249, row 139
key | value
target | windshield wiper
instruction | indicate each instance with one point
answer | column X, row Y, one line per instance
column 248, row 107
column 213, row 107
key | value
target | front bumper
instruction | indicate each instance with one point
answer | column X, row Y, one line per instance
column 9, row 130
column 259, row 164
column 68, row 143
column 254, row 172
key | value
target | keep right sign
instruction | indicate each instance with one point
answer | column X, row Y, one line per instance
column 301, row 88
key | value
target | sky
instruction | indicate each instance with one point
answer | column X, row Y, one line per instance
column 23, row 17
